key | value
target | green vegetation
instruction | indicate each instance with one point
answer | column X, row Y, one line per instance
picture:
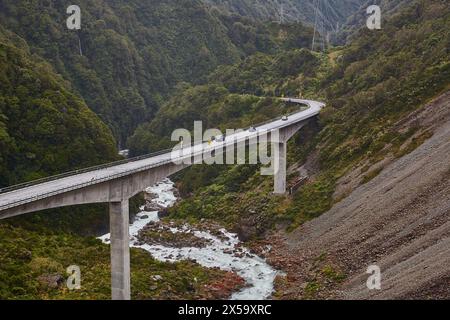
column 382, row 77
column 414, row 144
column 232, row 99
column 286, row 73
column 214, row 105
column 128, row 58
column 311, row 289
column 322, row 278
column 135, row 52
column 33, row 266
column 44, row 128
column 125, row 62
column 330, row 273
column 372, row 174
column 310, row 201
column 322, row 275
column 83, row 220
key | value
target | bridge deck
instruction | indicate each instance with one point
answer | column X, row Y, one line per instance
column 53, row 187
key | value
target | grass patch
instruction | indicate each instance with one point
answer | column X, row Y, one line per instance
column 310, row 201
column 371, row 175
column 330, row 273
column 414, row 144
column 311, row 289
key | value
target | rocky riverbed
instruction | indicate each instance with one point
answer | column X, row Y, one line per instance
column 206, row 243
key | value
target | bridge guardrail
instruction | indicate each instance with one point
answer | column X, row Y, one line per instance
column 112, row 164
column 78, row 186
column 80, row 171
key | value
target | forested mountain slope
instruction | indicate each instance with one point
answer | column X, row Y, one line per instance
column 332, row 12
column 375, row 164
column 358, row 19
column 44, row 127
column 133, row 52
column 235, row 97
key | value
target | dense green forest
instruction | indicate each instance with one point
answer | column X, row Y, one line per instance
column 133, row 55
column 44, row 127
column 214, row 105
column 134, row 52
column 236, row 96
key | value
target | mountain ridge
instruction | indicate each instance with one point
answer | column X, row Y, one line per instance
column 286, row 11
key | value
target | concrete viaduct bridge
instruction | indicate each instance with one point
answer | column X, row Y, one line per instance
column 117, row 182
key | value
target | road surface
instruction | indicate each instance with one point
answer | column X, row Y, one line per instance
column 30, row 193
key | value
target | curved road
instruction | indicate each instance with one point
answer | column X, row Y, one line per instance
column 50, row 188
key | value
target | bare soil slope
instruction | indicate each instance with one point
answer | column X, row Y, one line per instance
column 400, row 221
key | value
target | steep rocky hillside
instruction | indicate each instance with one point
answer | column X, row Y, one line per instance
column 399, row 221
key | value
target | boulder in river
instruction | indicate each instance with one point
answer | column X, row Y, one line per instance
column 151, row 206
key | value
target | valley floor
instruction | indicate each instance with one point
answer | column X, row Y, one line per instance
column 399, row 221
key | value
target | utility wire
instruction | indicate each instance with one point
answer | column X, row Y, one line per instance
column 316, row 6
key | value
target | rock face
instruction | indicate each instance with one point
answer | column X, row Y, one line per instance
column 163, row 213
column 151, row 206
column 51, row 281
column 399, row 221
column 245, row 230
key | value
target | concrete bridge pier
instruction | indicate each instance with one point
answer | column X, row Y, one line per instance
column 280, row 155
column 280, row 168
column 120, row 250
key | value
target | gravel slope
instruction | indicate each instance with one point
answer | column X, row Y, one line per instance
column 400, row 221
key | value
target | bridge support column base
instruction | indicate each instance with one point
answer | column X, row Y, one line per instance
column 120, row 250
column 280, row 168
